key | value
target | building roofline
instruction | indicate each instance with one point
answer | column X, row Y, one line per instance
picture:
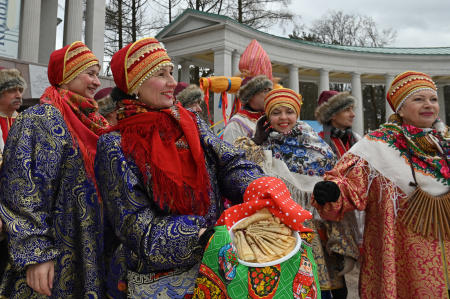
column 356, row 49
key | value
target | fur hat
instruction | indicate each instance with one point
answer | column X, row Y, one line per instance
column 282, row 97
column 106, row 105
column 325, row 96
column 102, row 93
column 189, row 95
column 137, row 62
column 335, row 104
column 405, row 85
column 251, row 86
column 66, row 63
column 180, row 86
column 10, row 79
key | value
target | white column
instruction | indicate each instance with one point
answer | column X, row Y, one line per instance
column 389, row 111
column 222, row 67
column 324, row 80
column 235, row 62
column 358, row 122
column 47, row 35
column 441, row 100
column 175, row 69
column 95, row 28
column 185, row 72
column 73, row 21
column 29, row 31
column 293, row 77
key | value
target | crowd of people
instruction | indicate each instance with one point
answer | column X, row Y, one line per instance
column 118, row 192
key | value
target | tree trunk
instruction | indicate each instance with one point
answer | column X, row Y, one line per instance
column 120, row 24
column 133, row 20
column 170, row 11
column 240, row 11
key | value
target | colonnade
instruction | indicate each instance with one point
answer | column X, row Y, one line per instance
column 37, row 37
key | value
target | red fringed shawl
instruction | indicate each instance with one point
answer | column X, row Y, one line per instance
column 179, row 176
column 84, row 122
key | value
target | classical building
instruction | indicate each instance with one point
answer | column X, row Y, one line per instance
column 215, row 41
column 31, row 34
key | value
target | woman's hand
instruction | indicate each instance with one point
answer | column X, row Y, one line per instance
column 40, row 277
column 349, row 263
column 204, row 234
column 201, row 231
column 2, row 233
column 262, row 131
column 325, row 192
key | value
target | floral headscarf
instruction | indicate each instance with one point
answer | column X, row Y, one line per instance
column 428, row 147
column 302, row 150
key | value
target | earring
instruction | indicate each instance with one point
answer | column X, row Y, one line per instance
column 136, row 96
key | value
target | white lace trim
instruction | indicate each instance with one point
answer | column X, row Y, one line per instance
column 385, row 184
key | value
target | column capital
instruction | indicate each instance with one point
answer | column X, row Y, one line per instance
column 223, row 49
column 185, row 63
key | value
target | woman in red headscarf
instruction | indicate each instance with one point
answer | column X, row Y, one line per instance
column 162, row 174
column 48, row 198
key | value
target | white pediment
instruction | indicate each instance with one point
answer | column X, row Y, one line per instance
column 188, row 21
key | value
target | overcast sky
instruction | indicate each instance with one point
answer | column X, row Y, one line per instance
column 418, row 23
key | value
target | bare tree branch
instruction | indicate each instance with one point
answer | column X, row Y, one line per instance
column 335, row 27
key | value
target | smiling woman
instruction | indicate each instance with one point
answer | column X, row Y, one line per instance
column 294, row 152
column 157, row 91
column 399, row 175
column 50, row 148
column 421, row 109
column 85, row 83
column 162, row 174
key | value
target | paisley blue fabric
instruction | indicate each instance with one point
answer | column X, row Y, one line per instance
column 154, row 240
column 50, row 209
column 302, row 149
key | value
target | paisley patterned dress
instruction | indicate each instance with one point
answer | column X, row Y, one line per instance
column 157, row 252
column 50, row 209
column 375, row 176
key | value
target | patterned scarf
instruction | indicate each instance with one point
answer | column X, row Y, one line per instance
column 346, row 136
column 251, row 114
column 75, row 109
column 427, row 147
column 165, row 145
column 302, row 150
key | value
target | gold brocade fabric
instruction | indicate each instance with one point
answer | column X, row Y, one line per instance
column 397, row 262
column 154, row 241
column 49, row 208
column 253, row 152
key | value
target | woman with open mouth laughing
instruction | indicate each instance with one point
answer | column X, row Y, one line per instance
column 295, row 153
